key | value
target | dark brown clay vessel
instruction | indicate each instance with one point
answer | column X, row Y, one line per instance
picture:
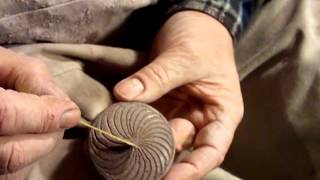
column 142, row 125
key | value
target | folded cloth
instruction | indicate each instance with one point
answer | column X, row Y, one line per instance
column 72, row 21
column 278, row 62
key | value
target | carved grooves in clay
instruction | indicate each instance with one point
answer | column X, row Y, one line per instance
column 142, row 125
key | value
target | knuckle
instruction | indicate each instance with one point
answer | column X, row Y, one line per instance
column 3, row 117
column 186, row 51
column 35, row 67
column 238, row 111
column 12, row 158
column 195, row 174
column 158, row 74
column 32, row 75
column 220, row 158
column 36, row 63
column 48, row 121
column 8, row 114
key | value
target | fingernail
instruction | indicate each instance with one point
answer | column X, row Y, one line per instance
column 70, row 118
column 129, row 89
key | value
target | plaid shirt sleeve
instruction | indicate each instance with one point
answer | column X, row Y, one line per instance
column 233, row 14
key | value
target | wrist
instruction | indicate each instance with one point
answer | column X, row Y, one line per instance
column 203, row 23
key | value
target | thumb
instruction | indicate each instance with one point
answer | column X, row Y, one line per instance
column 22, row 113
column 156, row 79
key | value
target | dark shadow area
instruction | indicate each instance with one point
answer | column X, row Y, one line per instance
column 265, row 145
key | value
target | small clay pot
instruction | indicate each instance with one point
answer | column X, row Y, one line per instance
column 142, row 125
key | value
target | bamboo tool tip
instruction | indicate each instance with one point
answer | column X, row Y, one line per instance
column 119, row 139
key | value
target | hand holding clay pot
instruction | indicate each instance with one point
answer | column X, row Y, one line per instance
column 193, row 81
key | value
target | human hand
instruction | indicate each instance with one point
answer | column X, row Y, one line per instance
column 33, row 113
column 193, row 81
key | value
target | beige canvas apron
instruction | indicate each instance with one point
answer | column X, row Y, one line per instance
column 278, row 59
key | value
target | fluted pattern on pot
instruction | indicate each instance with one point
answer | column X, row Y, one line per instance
column 142, row 125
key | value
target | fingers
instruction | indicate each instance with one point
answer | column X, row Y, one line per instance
column 156, row 79
column 34, row 78
column 17, row 152
column 22, row 113
column 26, row 113
column 184, row 170
column 183, row 132
column 210, row 145
column 26, row 74
column 21, row 174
